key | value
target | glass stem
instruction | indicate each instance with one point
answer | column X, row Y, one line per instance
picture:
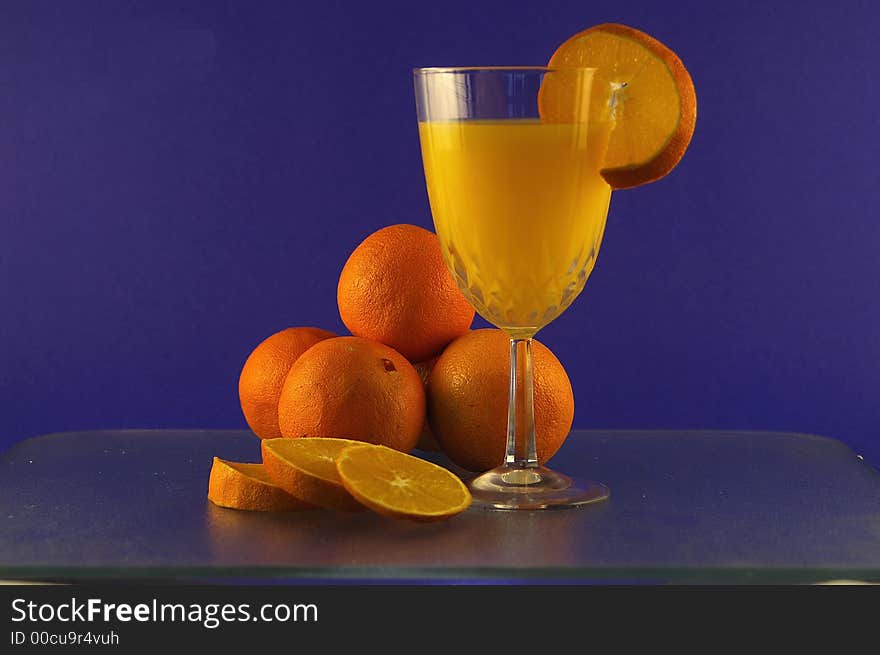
column 521, row 452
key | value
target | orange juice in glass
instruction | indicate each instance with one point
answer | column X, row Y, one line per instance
column 519, row 206
column 542, row 206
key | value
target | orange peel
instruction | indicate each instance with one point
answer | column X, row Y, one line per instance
column 650, row 97
column 239, row 485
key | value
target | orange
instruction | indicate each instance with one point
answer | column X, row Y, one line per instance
column 353, row 388
column 426, row 438
column 651, row 95
column 306, row 469
column 467, row 400
column 264, row 372
column 248, row 486
column 401, row 486
column 395, row 289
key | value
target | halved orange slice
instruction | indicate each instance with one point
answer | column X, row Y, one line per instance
column 651, row 100
column 305, row 467
column 247, row 486
column 401, row 486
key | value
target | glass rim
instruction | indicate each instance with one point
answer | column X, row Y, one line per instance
column 426, row 70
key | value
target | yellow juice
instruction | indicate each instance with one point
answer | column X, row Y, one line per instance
column 520, row 210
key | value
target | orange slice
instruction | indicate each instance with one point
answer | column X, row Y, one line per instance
column 305, row 467
column 401, row 486
column 651, row 100
column 248, row 486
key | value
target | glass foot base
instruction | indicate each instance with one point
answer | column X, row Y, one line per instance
column 509, row 487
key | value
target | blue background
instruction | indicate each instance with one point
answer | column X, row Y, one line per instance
column 178, row 181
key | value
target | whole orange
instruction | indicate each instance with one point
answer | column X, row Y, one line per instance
column 264, row 372
column 467, row 400
column 426, row 438
column 353, row 388
column 395, row 289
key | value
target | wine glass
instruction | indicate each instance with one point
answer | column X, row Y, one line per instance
column 512, row 159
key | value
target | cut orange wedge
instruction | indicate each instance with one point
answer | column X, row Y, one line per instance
column 643, row 88
column 401, row 486
column 305, row 467
column 247, row 486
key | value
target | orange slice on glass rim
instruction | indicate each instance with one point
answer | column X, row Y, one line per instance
column 305, row 467
column 650, row 99
column 240, row 485
column 401, row 486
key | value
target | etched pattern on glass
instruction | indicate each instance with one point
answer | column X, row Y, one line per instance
column 496, row 304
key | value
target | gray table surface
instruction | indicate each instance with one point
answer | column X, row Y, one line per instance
column 686, row 507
